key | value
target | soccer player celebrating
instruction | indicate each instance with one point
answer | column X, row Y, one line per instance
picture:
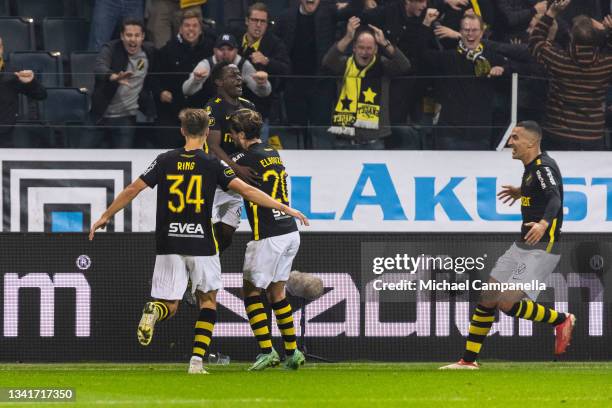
column 535, row 258
column 227, row 206
column 187, row 249
column 275, row 242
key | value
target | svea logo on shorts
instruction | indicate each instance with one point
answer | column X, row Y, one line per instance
column 184, row 228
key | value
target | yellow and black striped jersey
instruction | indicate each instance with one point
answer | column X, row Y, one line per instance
column 267, row 163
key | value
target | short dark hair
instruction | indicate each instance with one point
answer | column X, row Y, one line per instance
column 532, row 127
column 194, row 122
column 583, row 32
column 259, row 6
column 132, row 21
column 217, row 71
column 247, row 121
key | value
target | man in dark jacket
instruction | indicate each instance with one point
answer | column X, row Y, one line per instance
column 308, row 31
column 361, row 116
column 122, row 83
column 401, row 22
column 173, row 63
column 11, row 85
column 465, row 89
column 267, row 53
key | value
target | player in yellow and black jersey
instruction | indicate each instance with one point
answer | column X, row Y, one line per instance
column 532, row 259
column 541, row 195
column 267, row 163
column 228, row 99
column 186, row 181
column 276, row 240
column 228, row 206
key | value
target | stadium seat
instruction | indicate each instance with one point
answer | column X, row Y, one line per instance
column 65, row 105
column 65, row 35
column 40, row 9
column 46, row 65
column 84, row 9
column 5, row 8
column 81, row 70
column 17, row 34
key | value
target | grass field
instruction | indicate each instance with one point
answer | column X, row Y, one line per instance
column 321, row 385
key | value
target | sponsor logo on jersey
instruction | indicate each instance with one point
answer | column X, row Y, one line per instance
column 181, row 228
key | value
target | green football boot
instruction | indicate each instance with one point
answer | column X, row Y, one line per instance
column 294, row 361
column 265, row 360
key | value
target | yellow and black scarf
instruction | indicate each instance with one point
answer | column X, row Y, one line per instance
column 482, row 66
column 190, row 3
column 358, row 105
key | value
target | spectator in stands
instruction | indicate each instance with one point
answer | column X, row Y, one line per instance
column 308, row 31
column 465, row 90
column 266, row 52
column 517, row 15
column 451, row 12
column 361, row 116
column 107, row 15
column 122, row 83
column 11, row 85
column 173, row 63
column 580, row 76
column 226, row 49
column 164, row 18
column 401, row 22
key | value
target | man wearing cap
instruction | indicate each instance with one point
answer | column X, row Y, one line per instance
column 226, row 49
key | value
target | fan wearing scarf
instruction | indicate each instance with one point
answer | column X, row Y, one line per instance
column 361, row 113
column 463, row 89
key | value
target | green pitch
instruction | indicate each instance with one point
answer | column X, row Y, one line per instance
column 321, row 385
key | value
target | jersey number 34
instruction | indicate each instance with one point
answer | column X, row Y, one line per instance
column 180, row 198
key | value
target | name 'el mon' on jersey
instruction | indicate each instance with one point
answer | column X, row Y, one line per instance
column 267, row 163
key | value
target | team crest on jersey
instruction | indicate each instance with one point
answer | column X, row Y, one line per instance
column 229, row 172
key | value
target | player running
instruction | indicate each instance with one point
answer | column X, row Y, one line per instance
column 535, row 257
column 187, row 249
column 228, row 205
column 275, row 242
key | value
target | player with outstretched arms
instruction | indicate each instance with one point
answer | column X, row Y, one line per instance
column 186, row 246
column 535, row 257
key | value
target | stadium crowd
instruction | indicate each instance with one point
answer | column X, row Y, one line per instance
column 353, row 74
